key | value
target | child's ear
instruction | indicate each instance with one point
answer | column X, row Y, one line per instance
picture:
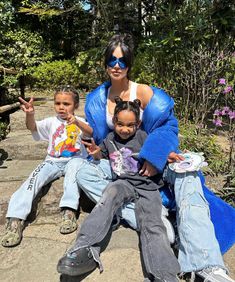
column 76, row 106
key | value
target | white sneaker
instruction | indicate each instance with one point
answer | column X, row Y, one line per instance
column 192, row 162
column 214, row 274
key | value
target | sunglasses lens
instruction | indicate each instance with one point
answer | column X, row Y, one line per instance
column 122, row 64
column 113, row 61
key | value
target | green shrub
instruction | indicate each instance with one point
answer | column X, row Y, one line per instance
column 51, row 74
column 204, row 142
column 91, row 67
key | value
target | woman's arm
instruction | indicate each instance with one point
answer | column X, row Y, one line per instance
column 162, row 128
column 144, row 94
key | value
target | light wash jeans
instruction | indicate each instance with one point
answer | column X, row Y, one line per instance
column 20, row 204
column 199, row 247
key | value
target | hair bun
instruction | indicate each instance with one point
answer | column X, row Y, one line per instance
column 117, row 100
column 137, row 102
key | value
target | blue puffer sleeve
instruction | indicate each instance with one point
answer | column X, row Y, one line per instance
column 162, row 128
column 95, row 111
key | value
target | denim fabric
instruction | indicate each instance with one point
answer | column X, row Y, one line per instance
column 71, row 192
column 196, row 251
column 93, row 177
column 21, row 201
column 198, row 247
column 158, row 258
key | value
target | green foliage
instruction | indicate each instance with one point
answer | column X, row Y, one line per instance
column 91, row 67
column 6, row 15
column 186, row 52
column 52, row 74
column 3, row 130
column 192, row 140
column 23, row 49
column 227, row 193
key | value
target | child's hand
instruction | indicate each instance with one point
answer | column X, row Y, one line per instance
column 173, row 157
column 71, row 119
column 148, row 169
column 27, row 107
column 92, row 148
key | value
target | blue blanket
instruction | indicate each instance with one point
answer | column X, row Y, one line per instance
column 162, row 128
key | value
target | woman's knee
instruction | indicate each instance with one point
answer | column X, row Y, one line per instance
column 194, row 209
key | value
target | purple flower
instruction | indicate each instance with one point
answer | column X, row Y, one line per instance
column 217, row 122
column 225, row 111
column 217, row 113
column 227, row 89
column 222, row 81
column 231, row 114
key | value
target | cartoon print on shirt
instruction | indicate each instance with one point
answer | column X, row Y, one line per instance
column 69, row 146
column 122, row 161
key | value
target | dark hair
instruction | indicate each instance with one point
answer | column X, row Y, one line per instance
column 70, row 90
column 125, row 42
column 127, row 105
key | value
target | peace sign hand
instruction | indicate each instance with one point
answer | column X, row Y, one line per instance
column 92, row 149
column 27, row 107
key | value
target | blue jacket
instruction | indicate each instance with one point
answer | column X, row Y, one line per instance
column 162, row 128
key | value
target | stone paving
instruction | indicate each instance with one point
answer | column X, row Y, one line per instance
column 35, row 259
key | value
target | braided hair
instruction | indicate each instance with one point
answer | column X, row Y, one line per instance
column 70, row 90
column 132, row 106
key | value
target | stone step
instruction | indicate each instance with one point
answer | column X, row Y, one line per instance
column 19, row 145
column 35, row 259
column 17, row 170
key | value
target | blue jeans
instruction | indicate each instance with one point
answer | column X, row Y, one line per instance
column 196, row 252
column 20, row 204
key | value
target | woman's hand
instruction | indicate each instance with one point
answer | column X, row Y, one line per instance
column 148, row 169
column 27, row 107
column 173, row 157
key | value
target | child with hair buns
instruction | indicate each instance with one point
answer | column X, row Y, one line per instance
column 121, row 147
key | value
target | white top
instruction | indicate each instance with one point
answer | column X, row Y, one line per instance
column 64, row 139
column 133, row 94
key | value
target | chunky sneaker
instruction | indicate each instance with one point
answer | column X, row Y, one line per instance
column 13, row 234
column 214, row 274
column 77, row 263
column 192, row 162
column 69, row 222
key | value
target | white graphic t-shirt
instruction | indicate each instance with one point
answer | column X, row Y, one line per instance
column 64, row 139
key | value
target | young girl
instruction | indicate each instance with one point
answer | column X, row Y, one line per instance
column 121, row 147
column 63, row 133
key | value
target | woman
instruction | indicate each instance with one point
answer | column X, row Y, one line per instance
column 196, row 254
